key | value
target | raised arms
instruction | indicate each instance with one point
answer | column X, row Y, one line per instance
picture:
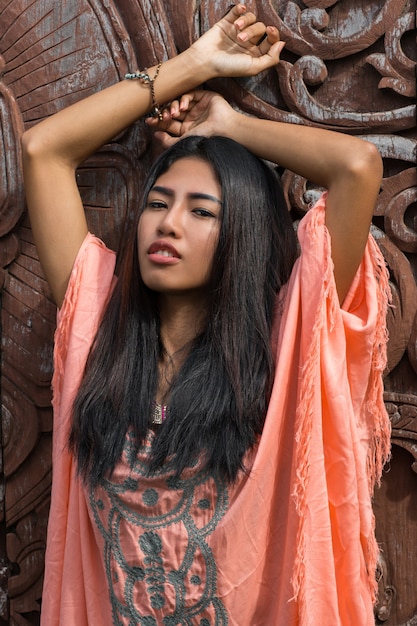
column 53, row 149
column 348, row 167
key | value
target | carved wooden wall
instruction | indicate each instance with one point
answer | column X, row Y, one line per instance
column 348, row 65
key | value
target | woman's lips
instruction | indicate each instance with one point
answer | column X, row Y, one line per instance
column 163, row 253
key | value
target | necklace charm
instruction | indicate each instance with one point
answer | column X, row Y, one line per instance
column 159, row 413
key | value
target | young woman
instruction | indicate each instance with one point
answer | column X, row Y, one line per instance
column 219, row 422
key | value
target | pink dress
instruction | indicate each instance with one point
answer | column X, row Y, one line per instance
column 290, row 544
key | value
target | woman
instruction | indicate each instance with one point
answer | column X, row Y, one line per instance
column 215, row 446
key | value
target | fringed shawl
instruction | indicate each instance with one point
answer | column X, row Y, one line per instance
column 296, row 545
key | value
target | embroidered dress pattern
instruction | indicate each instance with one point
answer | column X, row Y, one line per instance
column 156, row 528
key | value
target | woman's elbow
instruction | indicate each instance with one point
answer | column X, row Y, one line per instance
column 367, row 165
column 34, row 145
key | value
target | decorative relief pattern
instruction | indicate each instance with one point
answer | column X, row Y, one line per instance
column 348, row 65
column 403, row 412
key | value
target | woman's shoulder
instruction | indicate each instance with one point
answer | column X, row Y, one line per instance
column 93, row 247
column 90, row 286
column 92, row 277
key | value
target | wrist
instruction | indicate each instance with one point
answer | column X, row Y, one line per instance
column 232, row 125
column 199, row 69
column 178, row 75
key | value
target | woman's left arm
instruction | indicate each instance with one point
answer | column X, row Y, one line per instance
column 348, row 167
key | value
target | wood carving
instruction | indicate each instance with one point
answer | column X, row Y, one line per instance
column 347, row 65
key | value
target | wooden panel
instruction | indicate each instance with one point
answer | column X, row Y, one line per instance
column 348, row 65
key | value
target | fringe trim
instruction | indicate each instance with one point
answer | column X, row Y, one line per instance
column 305, row 413
column 376, row 414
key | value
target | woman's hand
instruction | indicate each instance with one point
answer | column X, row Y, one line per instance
column 197, row 113
column 238, row 45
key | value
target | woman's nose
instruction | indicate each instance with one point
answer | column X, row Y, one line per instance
column 171, row 222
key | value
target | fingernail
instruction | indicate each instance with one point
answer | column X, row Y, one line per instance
column 239, row 23
column 242, row 36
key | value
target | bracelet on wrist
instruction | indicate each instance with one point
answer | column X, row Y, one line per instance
column 144, row 77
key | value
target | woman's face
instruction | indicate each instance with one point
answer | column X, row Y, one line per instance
column 179, row 228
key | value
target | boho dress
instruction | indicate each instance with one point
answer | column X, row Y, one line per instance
column 292, row 541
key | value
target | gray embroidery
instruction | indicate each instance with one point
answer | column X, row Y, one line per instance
column 181, row 594
column 151, row 545
column 150, row 497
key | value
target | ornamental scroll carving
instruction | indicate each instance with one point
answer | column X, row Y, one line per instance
column 348, row 65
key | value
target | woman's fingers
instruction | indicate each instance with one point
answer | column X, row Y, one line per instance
column 185, row 102
column 252, row 33
column 235, row 12
column 174, row 108
column 174, row 111
column 249, row 29
column 255, row 33
column 272, row 37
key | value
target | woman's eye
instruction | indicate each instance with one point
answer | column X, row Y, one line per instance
column 156, row 204
column 203, row 213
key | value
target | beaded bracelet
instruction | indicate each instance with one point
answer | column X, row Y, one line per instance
column 147, row 80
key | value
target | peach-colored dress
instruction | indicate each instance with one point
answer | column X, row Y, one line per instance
column 292, row 543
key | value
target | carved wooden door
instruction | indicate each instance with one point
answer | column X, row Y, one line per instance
column 348, row 65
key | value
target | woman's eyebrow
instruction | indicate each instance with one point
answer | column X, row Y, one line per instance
column 196, row 195
column 204, row 196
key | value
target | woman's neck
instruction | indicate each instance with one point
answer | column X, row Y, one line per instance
column 182, row 319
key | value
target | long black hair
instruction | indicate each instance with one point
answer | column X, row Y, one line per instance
column 219, row 397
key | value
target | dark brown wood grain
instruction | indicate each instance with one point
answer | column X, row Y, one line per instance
column 348, row 65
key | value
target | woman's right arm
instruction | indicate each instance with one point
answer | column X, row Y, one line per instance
column 53, row 149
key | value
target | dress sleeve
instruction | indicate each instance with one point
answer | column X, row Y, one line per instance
column 69, row 534
column 342, row 430
column 90, row 285
column 362, row 317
